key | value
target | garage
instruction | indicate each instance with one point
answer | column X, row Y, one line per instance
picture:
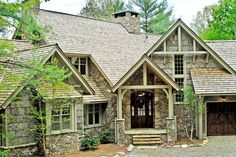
column 221, row 118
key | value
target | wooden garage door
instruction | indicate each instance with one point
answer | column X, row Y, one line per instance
column 221, row 118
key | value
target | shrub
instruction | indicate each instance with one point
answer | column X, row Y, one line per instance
column 106, row 137
column 89, row 142
column 4, row 153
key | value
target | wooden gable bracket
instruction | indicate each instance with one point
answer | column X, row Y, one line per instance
column 164, row 48
column 194, row 50
column 207, row 58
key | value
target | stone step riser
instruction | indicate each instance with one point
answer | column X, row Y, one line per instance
column 151, row 139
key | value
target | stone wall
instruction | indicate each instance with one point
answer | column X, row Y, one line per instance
column 110, row 112
column 66, row 143
column 24, row 151
column 131, row 23
column 182, row 113
column 160, row 109
column 20, row 122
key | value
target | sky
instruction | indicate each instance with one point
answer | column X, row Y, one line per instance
column 184, row 9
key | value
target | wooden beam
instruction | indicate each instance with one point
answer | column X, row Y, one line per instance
column 179, row 39
column 119, row 106
column 144, row 87
column 170, row 103
column 207, row 58
column 164, row 48
column 177, row 52
column 144, row 74
column 194, row 50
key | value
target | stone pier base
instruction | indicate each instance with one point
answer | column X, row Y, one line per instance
column 120, row 132
column 171, row 129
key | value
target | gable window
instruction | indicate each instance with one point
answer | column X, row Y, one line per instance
column 92, row 114
column 179, row 64
column 179, row 76
column 80, row 63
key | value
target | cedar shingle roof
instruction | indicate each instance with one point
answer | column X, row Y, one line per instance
column 213, row 81
column 17, row 69
column 113, row 48
column 97, row 97
column 226, row 49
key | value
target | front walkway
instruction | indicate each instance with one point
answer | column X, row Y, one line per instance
column 221, row 146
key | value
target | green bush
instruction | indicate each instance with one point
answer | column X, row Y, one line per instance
column 4, row 153
column 106, row 137
column 89, row 142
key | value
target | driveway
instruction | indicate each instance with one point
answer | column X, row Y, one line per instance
column 218, row 146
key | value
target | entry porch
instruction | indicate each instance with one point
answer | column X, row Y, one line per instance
column 145, row 103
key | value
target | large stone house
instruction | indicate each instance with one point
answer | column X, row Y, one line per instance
column 132, row 82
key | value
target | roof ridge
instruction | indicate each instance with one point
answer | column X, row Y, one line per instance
column 90, row 18
column 219, row 41
column 18, row 40
column 42, row 46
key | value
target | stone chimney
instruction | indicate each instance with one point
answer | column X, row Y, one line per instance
column 129, row 19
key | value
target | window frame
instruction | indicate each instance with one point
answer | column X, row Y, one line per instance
column 179, row 76
column 73, row 123
column 74, row 59
column 86, row 115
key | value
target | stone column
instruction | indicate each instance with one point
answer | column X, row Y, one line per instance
column 171, row 129
column 120, row 131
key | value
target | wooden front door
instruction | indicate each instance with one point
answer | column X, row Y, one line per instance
column 142, row 110
column 221, row 118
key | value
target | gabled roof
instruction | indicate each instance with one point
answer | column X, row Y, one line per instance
column 180, row 23
column 213, row 81
column 112, row 47
column 226, row 49
column 17, row 73
column 158, row 70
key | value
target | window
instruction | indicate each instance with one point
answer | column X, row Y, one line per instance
column 179, row 97
column 179, row 64
column 92, row 114
column 80, row 63
column 61, row 117
column 179, row 76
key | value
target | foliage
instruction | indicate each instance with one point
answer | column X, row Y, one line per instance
column 156, row 17
column 18, row 16
column 194, row 106
column 106, row 137
column 200, row 21
column 223, row 24
column 89, row 142
column 102, row 9
column 4, row 153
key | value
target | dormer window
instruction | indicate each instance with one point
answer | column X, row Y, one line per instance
column 80, row 63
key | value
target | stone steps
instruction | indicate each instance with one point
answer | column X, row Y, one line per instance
column 152, row 139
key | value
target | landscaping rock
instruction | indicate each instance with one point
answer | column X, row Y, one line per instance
column 130, row 148
column 184, row 146
column 116, row 155
column 120, row 153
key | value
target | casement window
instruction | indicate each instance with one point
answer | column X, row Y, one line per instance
column 179, row 96
column 62, row 119
column 179, row 76
column 80, row 63
column 92, row 114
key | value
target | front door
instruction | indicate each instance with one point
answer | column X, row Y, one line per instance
column 142, row 110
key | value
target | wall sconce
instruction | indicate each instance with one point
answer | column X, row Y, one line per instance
column 223, row 98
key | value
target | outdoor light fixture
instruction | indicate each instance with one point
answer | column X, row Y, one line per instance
column 223, row 98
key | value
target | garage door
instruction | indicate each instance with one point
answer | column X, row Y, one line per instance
column 221, row 118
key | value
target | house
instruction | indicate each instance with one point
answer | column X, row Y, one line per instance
column 132, row 82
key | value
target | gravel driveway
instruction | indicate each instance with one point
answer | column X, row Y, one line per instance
column 218, row 146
